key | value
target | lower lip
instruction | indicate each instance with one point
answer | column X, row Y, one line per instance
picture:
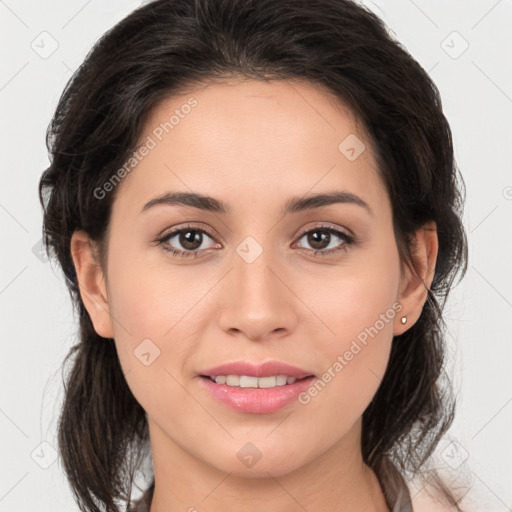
column 257, row 400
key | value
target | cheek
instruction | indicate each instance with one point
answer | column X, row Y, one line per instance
column 146, row 309
column 355, row 361
column 358, row 306
column 150, row 299
column 356, row 297
column 150, row 314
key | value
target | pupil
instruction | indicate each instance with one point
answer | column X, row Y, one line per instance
column 188, row 241
column 317, row 241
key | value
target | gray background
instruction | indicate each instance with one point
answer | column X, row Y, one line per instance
column 466, row 46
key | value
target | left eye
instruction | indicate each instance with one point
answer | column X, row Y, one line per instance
column 318, row 237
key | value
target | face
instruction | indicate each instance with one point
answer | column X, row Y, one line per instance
column 315, row 286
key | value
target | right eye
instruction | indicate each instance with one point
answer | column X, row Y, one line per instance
column 188, row 237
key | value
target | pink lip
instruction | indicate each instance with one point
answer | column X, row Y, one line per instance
column 266, row 369
column 256, row 400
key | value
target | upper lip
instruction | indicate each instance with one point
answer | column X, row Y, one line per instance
column 266, row 369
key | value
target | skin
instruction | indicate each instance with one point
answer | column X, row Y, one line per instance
column 254, row 145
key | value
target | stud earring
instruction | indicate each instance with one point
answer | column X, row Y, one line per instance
column 403, row 319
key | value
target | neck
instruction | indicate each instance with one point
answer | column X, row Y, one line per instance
column 337, row 480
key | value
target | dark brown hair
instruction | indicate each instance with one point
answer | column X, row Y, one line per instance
column 167, row 46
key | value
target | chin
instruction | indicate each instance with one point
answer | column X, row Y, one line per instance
column 250, row 463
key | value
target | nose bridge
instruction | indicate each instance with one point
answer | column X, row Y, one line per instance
column 257, row 302
column 254, row 281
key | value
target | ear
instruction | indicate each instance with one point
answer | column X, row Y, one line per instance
column 415, row 282
column 91, row 283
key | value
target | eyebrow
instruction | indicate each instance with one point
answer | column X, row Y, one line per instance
column 293, row 205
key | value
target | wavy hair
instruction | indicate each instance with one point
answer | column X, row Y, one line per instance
column 168, row 46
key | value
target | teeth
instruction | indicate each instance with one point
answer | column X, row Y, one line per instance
column 281, row 380
column 269, row 382
column 248, row 382
column 245, row 381
column 233, row 380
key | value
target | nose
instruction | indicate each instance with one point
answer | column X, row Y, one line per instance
column 258, row 301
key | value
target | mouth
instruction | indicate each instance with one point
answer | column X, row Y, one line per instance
column 250, row 381
column 255, row 387
column 249, row 394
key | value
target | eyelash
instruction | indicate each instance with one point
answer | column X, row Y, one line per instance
column 348, row 240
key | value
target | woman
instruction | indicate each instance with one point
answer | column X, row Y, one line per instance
column 258, row 214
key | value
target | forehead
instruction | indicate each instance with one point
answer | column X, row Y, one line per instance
column 255, row 141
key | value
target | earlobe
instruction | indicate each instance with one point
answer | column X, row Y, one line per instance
column 91, row 283
column 416, row 280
